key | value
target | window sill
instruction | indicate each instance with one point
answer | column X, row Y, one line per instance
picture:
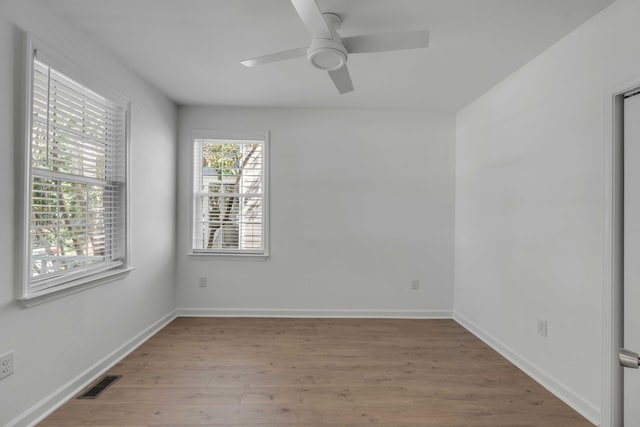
column 228, row 256
column 74, row 286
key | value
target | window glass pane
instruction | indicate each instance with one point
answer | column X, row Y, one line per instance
column 229, row 204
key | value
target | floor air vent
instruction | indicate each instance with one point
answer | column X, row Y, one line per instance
column 99, row 387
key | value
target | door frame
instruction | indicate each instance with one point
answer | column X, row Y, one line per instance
column 611, row 413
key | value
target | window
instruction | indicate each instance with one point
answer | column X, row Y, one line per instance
column 76, row 180
column 230, row 195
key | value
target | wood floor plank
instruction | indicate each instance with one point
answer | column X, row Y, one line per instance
column 162, row 413
column 354, row 414
column 193, row 395
column 317, row 372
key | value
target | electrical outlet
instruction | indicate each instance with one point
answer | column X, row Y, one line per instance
column 415, row 284
column 202, row 281
column 6, row 364
column 542, row 327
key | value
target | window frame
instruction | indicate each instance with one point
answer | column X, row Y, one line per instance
column 76, row 281
column 239, row 254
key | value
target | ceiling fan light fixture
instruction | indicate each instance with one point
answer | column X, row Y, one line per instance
column 327, row 55
column 327, row 58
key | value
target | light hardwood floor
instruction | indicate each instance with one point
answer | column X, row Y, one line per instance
column 318, row 372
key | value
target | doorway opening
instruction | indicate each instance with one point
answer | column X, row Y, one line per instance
column 612, row 413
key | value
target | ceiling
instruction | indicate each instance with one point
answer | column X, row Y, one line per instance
column 191, row 49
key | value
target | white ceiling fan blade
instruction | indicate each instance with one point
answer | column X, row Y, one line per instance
column 274, row 57
column 382, row 42
column 342, row 80
column 312, row 18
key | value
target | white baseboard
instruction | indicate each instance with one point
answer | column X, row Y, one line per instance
column 571, row 398
column 311, row 313
column 53, row 401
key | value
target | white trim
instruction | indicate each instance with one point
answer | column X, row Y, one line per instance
column 228, row 134
column 314, row 313
column 570, row 397
column 127, row 186
column 53, row 401
column 608, row 387
column 612, row 393
column 96, row 279
column 23, row 195
column 221, row 256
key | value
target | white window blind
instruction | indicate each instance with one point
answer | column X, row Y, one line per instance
column 229, row 196
column 77, row 181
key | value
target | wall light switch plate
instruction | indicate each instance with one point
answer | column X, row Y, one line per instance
column 542, row 327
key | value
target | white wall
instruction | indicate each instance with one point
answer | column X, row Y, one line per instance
column 530, row 204
column 361, row 204
column 57, row 341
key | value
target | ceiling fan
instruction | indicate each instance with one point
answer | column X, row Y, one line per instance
column 328, row 51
